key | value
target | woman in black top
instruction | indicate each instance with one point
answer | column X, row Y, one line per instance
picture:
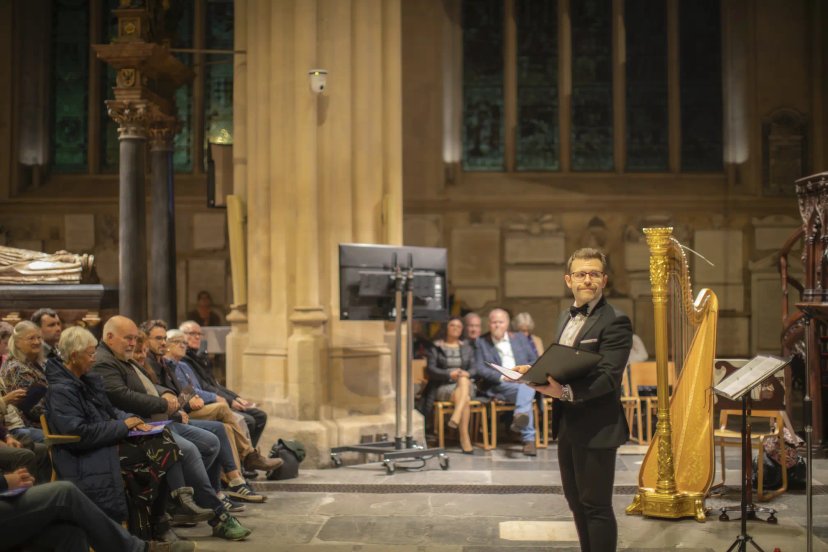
column 449, row 378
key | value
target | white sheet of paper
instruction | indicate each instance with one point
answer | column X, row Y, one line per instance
column 513, row 375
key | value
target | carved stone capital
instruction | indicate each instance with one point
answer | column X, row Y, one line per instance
column 132, row 117
column 162, row 129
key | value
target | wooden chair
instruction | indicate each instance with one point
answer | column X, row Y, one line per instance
column 644, row 374
column 546, row 416
column 52, row 439
column 479, row 422
column 499, row 407
column 767, row 419
column 632, row 408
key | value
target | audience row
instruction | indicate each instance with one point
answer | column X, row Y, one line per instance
column 160, row 441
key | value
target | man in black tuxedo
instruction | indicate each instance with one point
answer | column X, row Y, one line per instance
column 587, row 416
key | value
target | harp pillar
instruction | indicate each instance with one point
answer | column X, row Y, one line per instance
column 664, row 501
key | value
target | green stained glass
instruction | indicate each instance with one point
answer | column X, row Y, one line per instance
column 592, row 148
column 483, row 145
column 183, row 38
column 700, row 45
column 70, row 80
column 537, row 85
column 110, row 149
column 218, row 74
column 647, row 122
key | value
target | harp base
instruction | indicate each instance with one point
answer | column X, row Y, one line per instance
column 649, row 502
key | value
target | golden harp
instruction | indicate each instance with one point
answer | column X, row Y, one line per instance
column 677, row 470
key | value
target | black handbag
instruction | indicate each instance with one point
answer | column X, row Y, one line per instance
column 292, row 453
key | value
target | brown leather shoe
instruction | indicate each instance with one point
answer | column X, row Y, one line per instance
column 255, row 461
column 529, row 448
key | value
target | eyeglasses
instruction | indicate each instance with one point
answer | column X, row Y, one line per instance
column 193, row 333
column 176, row 343
column 33, row 338
column 580, row 276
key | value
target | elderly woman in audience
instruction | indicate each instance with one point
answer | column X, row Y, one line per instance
column 524, row 324
column 449, row 371
column 109, row 454
column 205, row 405
column 5, row 334
column 23, row 369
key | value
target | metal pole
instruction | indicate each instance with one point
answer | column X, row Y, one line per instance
column 398, row 283
column 409, row 389
column 807, row 413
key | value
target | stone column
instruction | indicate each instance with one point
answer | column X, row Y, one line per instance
column 131, row 117
column 320, row 170
column 163, row 293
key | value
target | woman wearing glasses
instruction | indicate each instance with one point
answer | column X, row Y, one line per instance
column 23, row 370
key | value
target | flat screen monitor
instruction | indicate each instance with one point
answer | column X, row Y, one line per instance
column 367, row 284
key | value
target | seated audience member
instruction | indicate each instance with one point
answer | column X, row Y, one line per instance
column 50, row 327
column 204, row 313
column 58, row 516
column 472, row 329
column 524, row 324
column 152, row 362
column 23, row 369
column 210, row 406
column 107, row 458
column 449, row 371
column 25, row 453
column 201, row 364
column 508, row 350
column 5, row 334
column 126, row 384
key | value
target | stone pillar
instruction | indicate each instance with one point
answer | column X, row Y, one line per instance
column 320, row 170
column 132, row 132
column 162, row 290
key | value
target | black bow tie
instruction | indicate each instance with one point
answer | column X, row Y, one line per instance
column 575, row 311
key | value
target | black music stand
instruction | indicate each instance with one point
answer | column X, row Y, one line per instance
column 371, row 276
column 738, row 386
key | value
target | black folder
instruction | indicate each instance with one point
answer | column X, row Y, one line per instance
column 565, row 365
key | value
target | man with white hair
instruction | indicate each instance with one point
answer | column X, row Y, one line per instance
column 501, row 347
column 128, row 389
column 255, row 418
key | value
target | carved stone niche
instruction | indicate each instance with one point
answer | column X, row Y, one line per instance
column 784, row 150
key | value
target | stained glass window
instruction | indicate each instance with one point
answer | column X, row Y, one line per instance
column 182, row 144
column 218, row 73
column 110, row 149
column 647, row 121
column 537, row 82
column 592, row 85
column 70, row 80
column 700, row 45
column 483, row 146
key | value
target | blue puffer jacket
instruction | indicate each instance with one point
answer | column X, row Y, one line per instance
column 79, row 406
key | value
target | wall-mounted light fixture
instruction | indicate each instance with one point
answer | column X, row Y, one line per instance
column 318, row 80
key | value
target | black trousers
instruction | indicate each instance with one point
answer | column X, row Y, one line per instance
column 587, row 476
column 58, row 516
column 256, row 421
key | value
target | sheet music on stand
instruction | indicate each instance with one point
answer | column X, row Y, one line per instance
column 748, row 376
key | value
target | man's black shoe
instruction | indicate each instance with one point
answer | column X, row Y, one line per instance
column 529, row 448
column 519, row 422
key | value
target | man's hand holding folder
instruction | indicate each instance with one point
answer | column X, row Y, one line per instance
column 559, row 364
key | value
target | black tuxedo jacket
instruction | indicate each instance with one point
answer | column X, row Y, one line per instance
column 596, row 418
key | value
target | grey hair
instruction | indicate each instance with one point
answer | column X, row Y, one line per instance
column 74, row 340
column 176, row 335
column 20, row 329
column 523, row 319
column 469, row 316
column 184, row 326
column 5, row 330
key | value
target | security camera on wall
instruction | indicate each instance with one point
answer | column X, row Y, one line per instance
column 318, row 80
